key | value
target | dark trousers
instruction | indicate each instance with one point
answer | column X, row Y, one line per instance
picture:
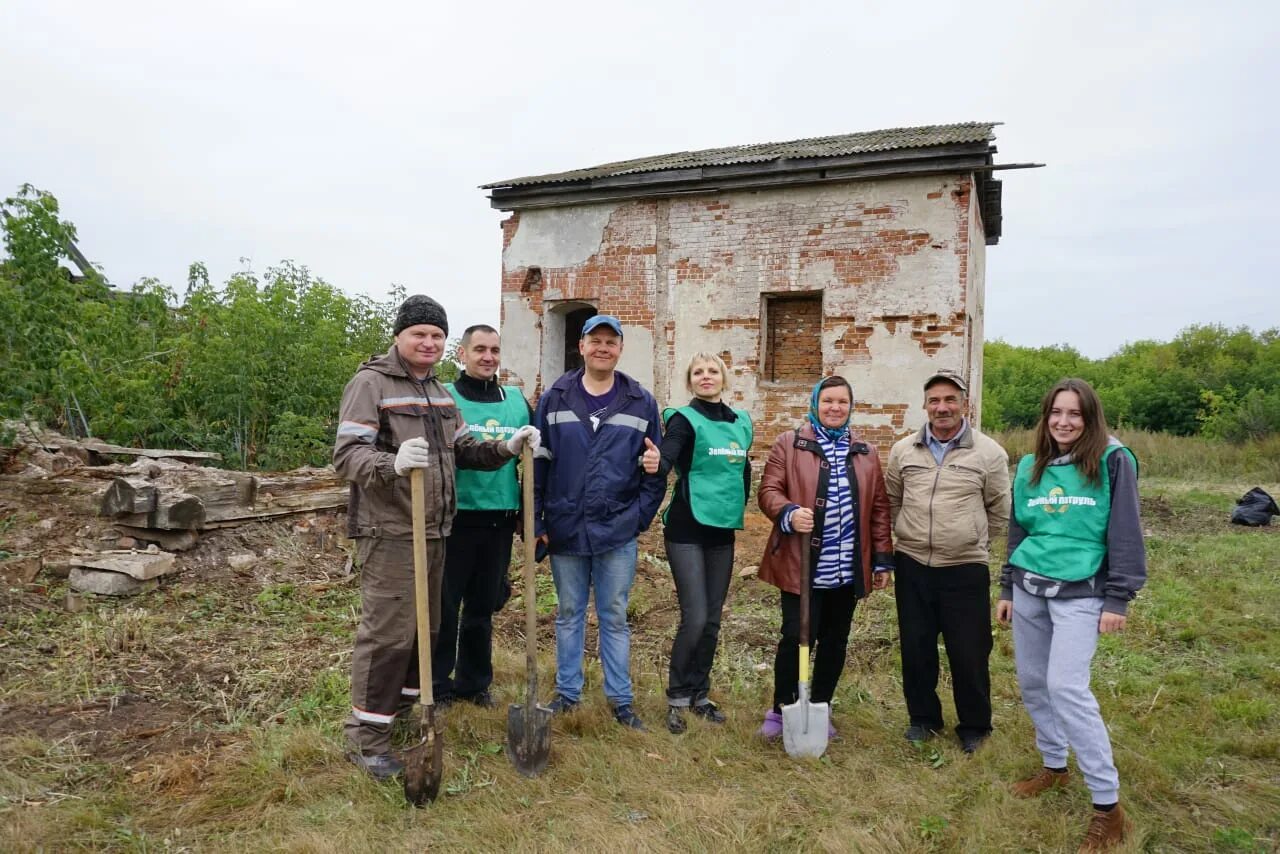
column 476, row 563
column 953, row 601
column 384, row 664
column 702, row 575
column 830, row 618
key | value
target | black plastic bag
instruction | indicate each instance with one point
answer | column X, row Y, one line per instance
column 1255, row 508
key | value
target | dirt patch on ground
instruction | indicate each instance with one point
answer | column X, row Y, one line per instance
column 1165, row 516
column 124, row 728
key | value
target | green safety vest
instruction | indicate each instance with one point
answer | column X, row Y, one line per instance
column 1065, row 518
column 492, row 422
column 715, row 473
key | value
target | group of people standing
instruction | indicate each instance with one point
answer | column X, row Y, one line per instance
column 601, row 463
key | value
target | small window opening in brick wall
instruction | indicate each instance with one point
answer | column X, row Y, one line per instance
column 793, row 337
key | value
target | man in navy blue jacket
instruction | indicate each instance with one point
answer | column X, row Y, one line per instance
column 595, row 489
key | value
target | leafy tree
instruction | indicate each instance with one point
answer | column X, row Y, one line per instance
column 39, row 306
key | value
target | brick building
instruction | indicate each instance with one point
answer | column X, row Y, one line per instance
column 861, row 255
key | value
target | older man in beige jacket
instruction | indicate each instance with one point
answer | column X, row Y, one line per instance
column 949, row 492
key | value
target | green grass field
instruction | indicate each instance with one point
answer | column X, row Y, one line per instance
column 206, row 716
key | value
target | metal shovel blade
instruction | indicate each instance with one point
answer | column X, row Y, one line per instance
column 528, row 738
column 424, row 763
column 804, row 726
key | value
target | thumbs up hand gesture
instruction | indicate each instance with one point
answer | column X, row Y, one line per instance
column 649, row 460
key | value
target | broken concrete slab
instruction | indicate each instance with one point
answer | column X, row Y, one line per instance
column 108, row 583
column 141, row 566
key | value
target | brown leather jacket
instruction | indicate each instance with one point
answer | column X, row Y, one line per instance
column 791, row 477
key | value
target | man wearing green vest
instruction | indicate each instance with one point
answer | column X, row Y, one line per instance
column 478, row 551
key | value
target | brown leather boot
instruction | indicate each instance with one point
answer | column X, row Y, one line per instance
column 1039, row 783
column 1106, row 830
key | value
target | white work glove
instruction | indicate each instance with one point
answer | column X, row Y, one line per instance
column 528, row 434
column 413, row 454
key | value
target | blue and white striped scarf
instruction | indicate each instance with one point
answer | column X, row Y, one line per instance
column 835, row 565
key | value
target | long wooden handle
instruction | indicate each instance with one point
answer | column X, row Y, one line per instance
column 530, row 578
column 417, row 486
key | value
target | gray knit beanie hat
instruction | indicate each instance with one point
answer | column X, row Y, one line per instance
column 420, row 308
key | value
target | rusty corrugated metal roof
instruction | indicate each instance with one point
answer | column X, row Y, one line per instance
column 822, row 146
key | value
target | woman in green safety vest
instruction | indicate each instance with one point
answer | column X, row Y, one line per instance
column 707, row 443
column 1076, row 560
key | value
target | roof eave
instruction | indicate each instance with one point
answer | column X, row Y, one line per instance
column 974, row 158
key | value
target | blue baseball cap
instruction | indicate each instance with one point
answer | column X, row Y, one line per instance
column 602, row 320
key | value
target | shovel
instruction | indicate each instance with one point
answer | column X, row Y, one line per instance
column 423, row 761
column 529, row 725
column 804, row 724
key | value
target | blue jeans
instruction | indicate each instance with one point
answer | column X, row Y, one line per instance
column 611, row 574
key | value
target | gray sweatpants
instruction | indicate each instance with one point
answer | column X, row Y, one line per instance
column 1053, row 644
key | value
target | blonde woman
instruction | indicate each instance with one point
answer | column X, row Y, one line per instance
column 706, row 442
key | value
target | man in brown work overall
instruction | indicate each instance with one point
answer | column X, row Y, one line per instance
column 395, row 416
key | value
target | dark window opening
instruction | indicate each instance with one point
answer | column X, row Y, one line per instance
column 573, row 322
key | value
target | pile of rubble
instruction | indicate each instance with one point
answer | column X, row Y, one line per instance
column 158, row 502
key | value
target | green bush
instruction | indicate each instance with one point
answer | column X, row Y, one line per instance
column 253, row 370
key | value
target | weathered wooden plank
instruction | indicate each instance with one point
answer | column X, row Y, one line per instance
column 128, row 495
column 332, row 498
column 155, row 453
column 178, row 511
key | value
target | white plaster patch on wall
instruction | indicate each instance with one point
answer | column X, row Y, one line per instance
column 897, row 370
column 817, row 274
column 638, row 354
column 928, row 284
column 521, row 342
column 692, row 309
column 557, row 237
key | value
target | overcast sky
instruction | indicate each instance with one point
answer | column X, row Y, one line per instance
column 351, row 137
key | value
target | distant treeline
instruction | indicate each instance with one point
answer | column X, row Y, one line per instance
column 254, row 368
column 1210, row 380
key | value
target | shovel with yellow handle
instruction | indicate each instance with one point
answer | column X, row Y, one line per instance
column 804, row 724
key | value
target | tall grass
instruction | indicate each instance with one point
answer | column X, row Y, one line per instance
column 1191, row 457
column 250, row 680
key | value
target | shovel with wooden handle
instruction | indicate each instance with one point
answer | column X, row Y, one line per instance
column 423, row 762
column 804, row 724
column 529, row 725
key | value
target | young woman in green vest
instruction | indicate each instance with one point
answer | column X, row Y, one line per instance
column 1076, row 560
column 707, row 443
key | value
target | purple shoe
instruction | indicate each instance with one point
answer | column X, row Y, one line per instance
column 831, row 729
column 771, row 729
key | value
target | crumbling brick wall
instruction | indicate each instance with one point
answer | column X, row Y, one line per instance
column 888, row 262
